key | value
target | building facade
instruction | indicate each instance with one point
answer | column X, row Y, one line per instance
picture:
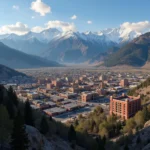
column 125, row 106
column 124, row 83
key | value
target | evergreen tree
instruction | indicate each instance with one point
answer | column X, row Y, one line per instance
column 50, row 118
column 104, row 140
column 146, row 114
column 19, row 136
column 71, row 134
column 5, row 126
column 100, row 145
column 44, row 127
column 13, row 96
column 1, row 94
column 138, row 140
column 126, row 147
column 28, row 114
column 10, row 108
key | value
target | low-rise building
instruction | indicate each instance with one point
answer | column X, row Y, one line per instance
column 124, row 83
column 68, row 95
column 54, row 111
column 87, row 96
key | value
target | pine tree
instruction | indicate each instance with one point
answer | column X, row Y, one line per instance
column 126, row 147
column 138, row 140
column 28, row 114
column 100, row 144
column 5, row 125
column 19, row 136
column 13, row 96
column 50, row 118
column 10, row 108
column 104, row 139
column 44, row 127
column 1, row 94
column 71, row 134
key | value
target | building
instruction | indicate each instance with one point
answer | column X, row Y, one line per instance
column 41, row 81
column 57, row 83
column 103, row 77
column 87, row 96
column 124, row 83
column 125, row 106
column 54, row 111
column 68, row 95
column 49, row 86
column 33, row 95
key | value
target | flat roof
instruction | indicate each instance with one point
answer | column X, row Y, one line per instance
column 55, row 110
column 124, row 98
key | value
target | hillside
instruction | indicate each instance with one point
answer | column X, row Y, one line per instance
column 17, row 118
column 103, row 55
column 7, row 73
column 16, row 59
column 136, row 53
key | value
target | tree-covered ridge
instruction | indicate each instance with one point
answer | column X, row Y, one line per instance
column 136, row 53
column 7, row 73
column 14, row 115
column 144, row 84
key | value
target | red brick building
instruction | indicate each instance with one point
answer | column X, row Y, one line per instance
column 125, row 106
column 124, row 83
column 89, row 96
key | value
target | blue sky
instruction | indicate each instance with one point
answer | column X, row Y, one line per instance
column 102, row 13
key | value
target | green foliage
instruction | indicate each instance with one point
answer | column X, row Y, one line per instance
column 44, row 127
column 5, row 125
column 19, row 136
column 13, row 96
column 28, row 114
column 138, row 140
column 97, row 123
column 142, row 85
column 71, row 134
column 100, row 144
column 126, row 147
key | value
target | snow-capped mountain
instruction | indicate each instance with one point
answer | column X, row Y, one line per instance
column 76, row 47
column 122, row 34
column 63, row 46
column 31, row 43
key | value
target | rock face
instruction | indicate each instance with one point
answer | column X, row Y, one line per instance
column 40, row 142
column 141, row 140
column 37, row 140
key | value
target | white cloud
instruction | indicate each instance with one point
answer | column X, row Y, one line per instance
column 89, row 22
column 73, row 17
column 18, row 28
column 64, row 26
column 33, row 17
column 37, row 29
column 15, row 7
column 40, row 7
column 138, row 26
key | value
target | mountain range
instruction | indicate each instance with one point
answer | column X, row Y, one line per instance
column 71, row 47
column 135, row 53
column 17, row 59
